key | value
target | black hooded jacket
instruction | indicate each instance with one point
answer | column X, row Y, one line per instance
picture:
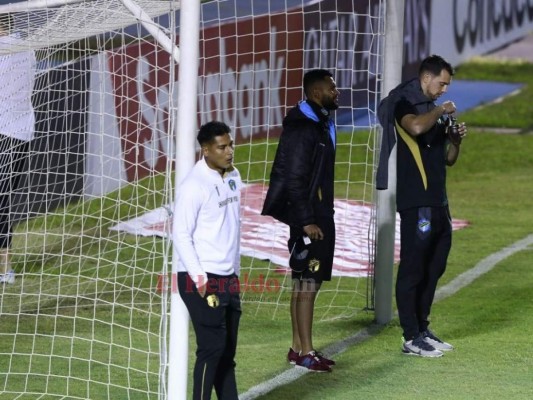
column 421, row 164
column 406, row 90
column 302, row 176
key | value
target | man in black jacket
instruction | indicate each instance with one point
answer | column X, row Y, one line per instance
column 425, row 146
column 301, row 196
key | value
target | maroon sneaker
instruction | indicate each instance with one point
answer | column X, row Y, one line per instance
column 311, row 362
column 325, row 360
column 292, row 356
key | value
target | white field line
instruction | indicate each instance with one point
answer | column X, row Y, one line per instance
column 482, row 267
column 461, row 281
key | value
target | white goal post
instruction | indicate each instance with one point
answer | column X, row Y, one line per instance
column 386, row 199
column 93, row 312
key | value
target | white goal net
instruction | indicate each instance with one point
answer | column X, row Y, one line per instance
column 86, row 316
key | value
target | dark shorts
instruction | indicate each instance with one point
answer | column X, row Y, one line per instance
column 14, row 154
column 320, row 258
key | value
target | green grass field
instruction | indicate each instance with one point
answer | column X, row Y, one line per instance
column 113, row 308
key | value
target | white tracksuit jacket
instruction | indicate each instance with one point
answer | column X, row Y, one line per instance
column 207, row 229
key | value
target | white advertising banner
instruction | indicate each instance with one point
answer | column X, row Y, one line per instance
column 461, row 29
column 104, row 161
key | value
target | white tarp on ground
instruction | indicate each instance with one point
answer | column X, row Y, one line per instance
column 266, row 239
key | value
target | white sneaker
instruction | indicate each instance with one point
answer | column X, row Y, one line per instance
column 419, row 347
column 433, row 340
column 8, row 278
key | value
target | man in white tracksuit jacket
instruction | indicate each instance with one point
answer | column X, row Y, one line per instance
column 207, row 236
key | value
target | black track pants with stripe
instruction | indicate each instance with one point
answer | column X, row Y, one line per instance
column 426, row 239
column 215, row 319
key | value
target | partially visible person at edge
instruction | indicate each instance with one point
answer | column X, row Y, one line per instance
column 207, row 238
column 17, row 124
column 301, row 196
column 424, row 148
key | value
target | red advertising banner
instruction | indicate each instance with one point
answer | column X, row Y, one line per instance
column 140, row 78
column 250, row 72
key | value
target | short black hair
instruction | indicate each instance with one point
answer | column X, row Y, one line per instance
column 434, row 64
column 211, row 129
column 314, row 76
column 6, row 22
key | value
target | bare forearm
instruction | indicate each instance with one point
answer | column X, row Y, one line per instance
column 452, row 154
column 455, row 144
column 419, row 124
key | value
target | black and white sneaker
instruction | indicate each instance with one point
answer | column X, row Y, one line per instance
column 419, row 347
column 433, row 340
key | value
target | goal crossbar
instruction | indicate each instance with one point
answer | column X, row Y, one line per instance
column 54, row 22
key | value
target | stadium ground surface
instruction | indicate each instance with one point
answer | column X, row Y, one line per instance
column 458, row 283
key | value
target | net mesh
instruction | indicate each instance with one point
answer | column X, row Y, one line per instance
column 42, row 24
column 87, row 314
